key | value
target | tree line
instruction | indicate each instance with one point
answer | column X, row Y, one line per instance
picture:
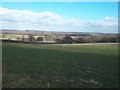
column 89, row 39
column 71, row 39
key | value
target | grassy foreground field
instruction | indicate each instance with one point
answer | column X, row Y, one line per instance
column 59, row 66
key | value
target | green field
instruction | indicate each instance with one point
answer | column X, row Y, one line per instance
column 59, row 66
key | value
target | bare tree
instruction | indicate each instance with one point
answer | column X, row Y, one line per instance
column 39, row 39
column 31, row 38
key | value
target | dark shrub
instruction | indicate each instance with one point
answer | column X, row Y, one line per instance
column 67, row 39
column 39, row 39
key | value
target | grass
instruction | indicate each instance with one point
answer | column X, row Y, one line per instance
column 58, row 66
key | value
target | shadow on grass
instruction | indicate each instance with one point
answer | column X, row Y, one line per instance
column 56, row 68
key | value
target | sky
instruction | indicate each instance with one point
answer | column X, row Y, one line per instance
column 60, row 16
column 60, row 0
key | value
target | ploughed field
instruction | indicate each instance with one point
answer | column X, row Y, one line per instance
column 59, row 66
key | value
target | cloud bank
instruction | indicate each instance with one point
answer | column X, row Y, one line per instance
column 49, row 21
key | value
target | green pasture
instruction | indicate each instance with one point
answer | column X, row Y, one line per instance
column 59, row 66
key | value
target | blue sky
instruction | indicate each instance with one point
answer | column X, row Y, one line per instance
column 85, row 10
column 70, row 12
column 60, row 0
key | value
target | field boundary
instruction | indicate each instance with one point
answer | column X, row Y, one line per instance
column 16, row 41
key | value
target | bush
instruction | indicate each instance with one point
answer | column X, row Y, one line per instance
column 39, row 39
column 31, row 38
column 58, row 41
column 79, row 40
column 67, row 39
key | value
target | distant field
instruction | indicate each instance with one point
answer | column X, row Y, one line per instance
column 58, row 66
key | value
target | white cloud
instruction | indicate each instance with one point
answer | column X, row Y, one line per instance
column 25, row 19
